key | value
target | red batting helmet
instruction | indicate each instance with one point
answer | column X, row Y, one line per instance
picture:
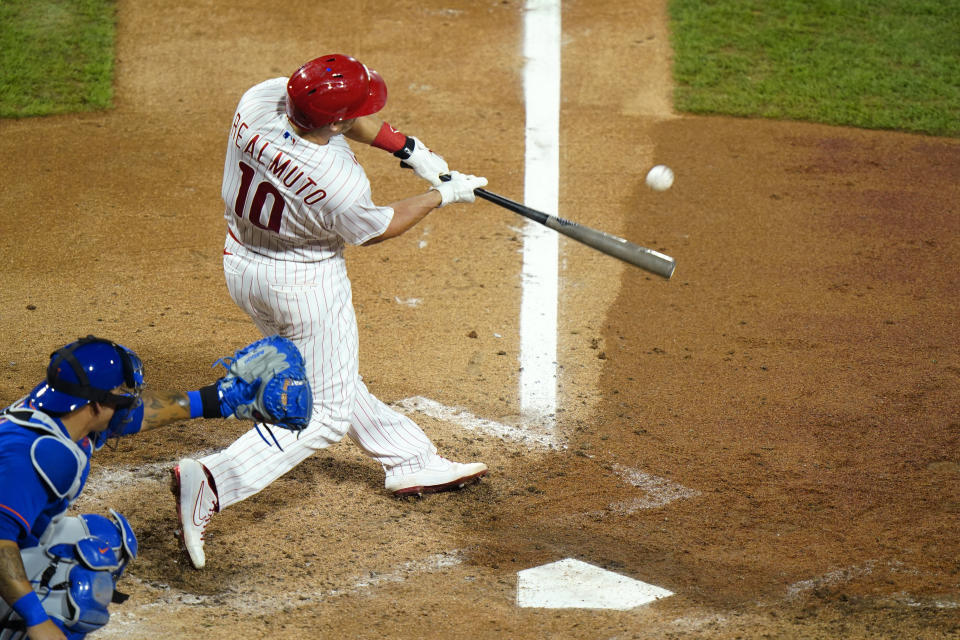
column 332, row 88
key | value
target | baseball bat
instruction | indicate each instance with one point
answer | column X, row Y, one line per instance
column 648, row 259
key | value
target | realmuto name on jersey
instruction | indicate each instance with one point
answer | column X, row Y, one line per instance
column 272, row 159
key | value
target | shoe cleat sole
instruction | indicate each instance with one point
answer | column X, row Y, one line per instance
column 438, row 488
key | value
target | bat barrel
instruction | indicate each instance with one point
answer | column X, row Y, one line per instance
column 648, row 259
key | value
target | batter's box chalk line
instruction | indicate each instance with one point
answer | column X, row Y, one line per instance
column 659, row 491
column 106, row 482
column 250, row 598
column 528, row 435
column 838, row 576
column 849, row 574
column 907, row 600
column 408, row 302
column 573, row 584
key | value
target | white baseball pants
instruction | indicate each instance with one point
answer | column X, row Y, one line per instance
column 312, row 305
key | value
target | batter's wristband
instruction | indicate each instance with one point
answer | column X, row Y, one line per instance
column 407, row 150
column 29, row 608
column 389, row 139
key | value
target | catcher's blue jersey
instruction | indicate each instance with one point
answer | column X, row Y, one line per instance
column 40, row 474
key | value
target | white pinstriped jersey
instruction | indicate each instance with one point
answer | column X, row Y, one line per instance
column 291, row 205
column 287, row 198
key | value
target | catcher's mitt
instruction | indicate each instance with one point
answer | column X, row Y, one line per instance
column 267, row 381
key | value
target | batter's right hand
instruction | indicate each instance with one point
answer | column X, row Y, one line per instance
column 459, row 188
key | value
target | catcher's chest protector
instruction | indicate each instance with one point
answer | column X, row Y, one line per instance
column 59, row 461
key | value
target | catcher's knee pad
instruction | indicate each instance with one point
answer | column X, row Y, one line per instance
column 75, row 568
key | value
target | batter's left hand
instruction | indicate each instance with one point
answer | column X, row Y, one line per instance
column 458, row 187
column 424, row 162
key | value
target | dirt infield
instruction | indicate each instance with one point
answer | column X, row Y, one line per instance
column 773, row 434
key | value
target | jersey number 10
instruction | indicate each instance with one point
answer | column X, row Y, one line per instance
column 264, row 189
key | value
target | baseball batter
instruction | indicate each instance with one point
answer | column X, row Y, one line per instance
column 295, row 196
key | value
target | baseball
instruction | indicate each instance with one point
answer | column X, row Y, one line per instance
column 660, row 177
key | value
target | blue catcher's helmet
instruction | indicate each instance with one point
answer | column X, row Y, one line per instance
column 90, row 370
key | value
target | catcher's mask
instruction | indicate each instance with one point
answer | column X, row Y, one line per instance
column 90, row 370
column 333, row 88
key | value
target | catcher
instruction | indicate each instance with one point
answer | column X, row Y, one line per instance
column 58, row 573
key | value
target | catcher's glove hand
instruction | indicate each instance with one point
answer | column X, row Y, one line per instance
column 267, row 381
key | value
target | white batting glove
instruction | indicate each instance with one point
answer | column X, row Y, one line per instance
column 459, row 188
column 424, row 162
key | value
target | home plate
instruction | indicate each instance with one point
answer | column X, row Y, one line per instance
column 572, row 584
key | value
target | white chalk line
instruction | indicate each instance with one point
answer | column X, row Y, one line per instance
column 540, row 270
column 659, row 491
column 247, row 600
column 104, row 482
column 905, row 599
column 527, row 435
column 844, row 575
column 408, row 302
column 700, row 621
column 851, row 573
column 838, row 576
